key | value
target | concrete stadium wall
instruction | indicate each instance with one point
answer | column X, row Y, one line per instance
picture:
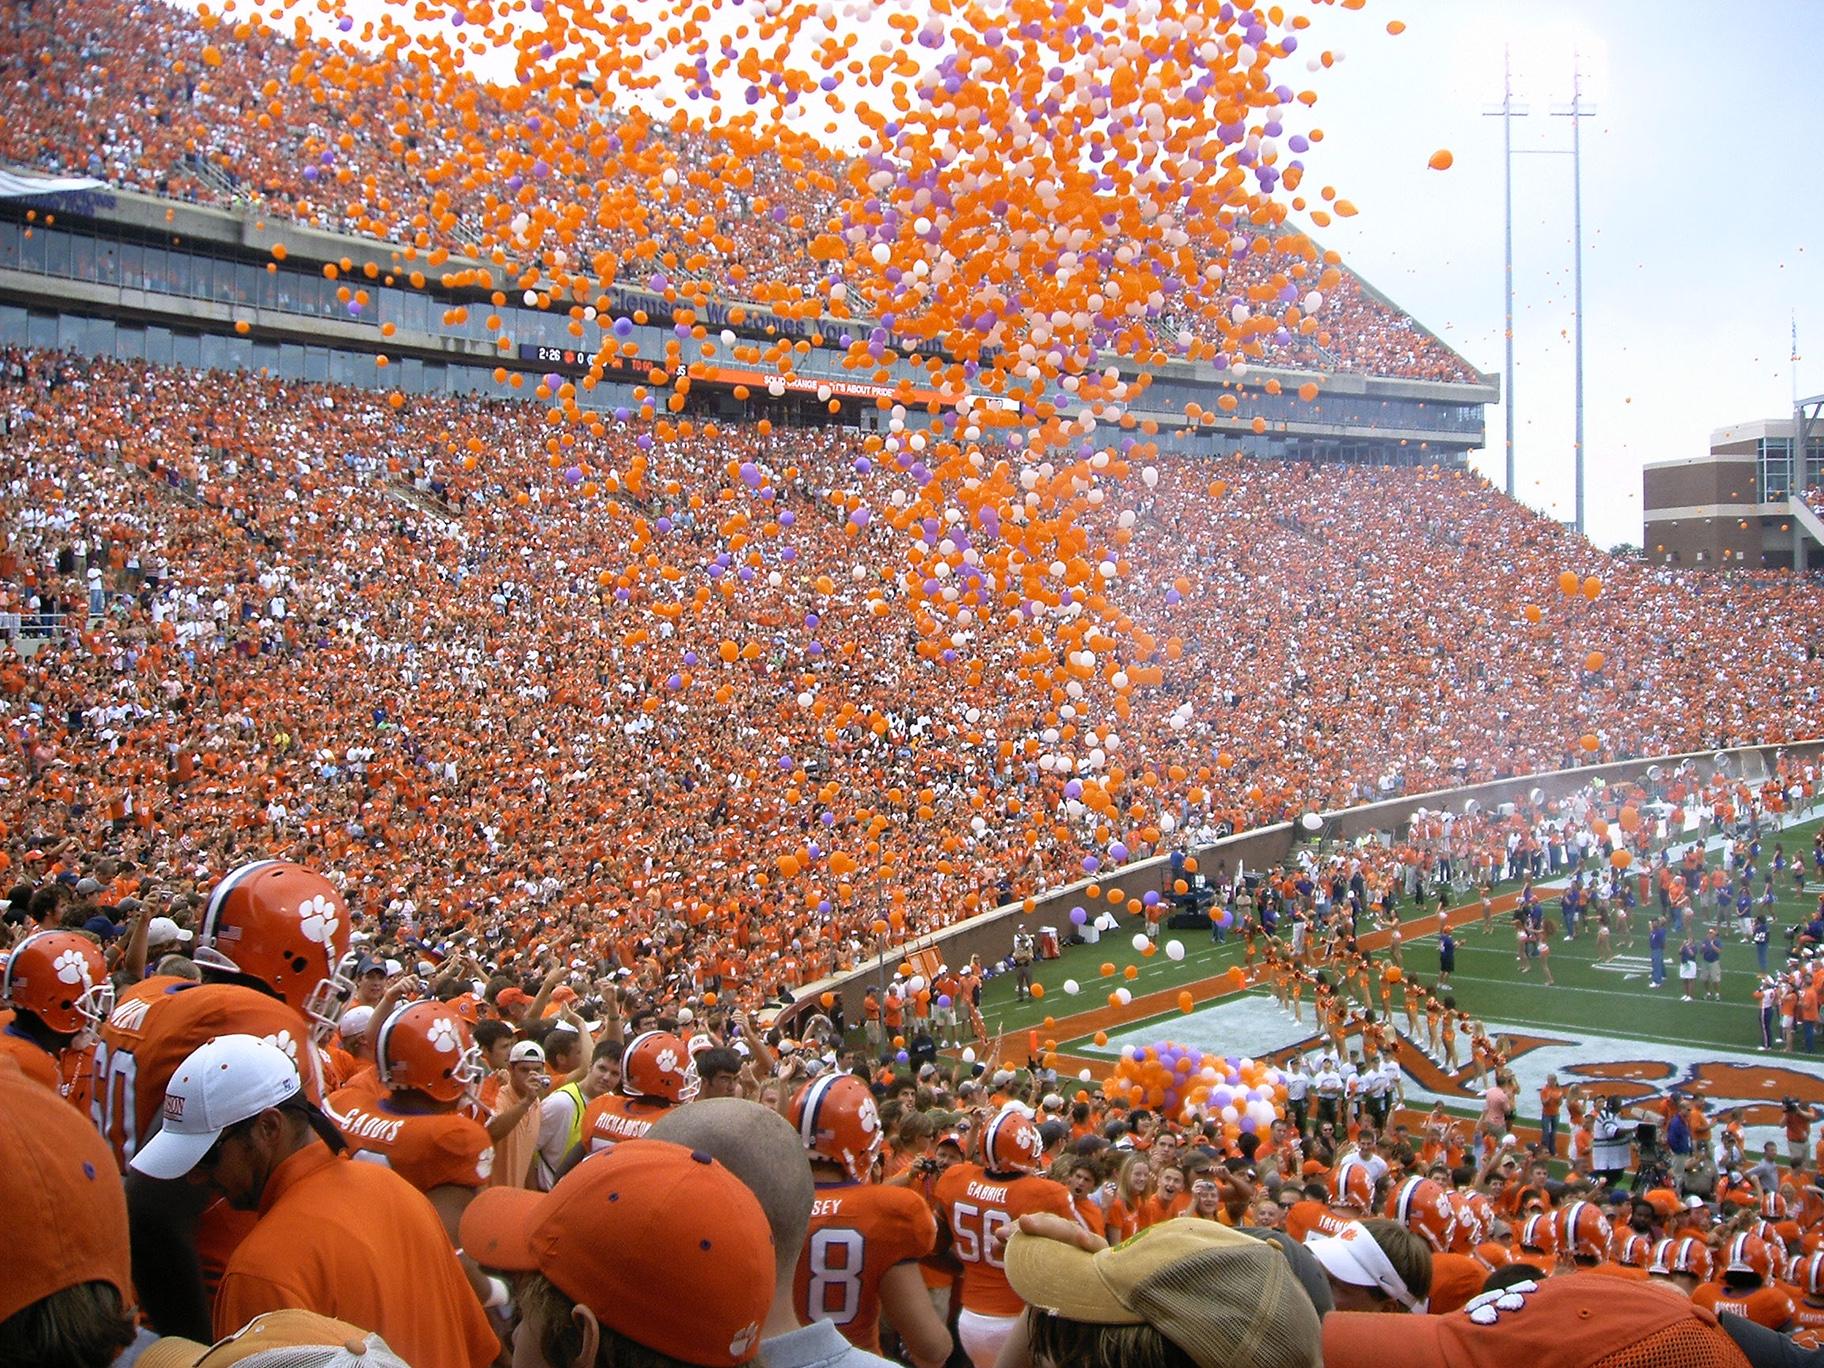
column 990, row 935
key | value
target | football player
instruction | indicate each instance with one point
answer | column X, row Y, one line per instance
column 862, row 1250
column 430, row 1066
column 975, row 1203
column 56, row 983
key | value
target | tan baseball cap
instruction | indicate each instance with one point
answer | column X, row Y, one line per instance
column 279, row 1339
column 1220, row 1296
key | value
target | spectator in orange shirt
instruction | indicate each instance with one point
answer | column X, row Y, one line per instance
column 353, row 1241
column 68, row 1283
column 649, row 1243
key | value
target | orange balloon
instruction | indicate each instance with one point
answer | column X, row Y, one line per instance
column 1588, row 741
column 1101, row 1037
column 1395, row 974
column 1532, row 613
column 1185, row 1003
column 1131, row 972
column 1108, row 971
column 1593, row 662
column 1038, row 990
column 1592, row 588
column 1567, row 583
column 1621, row 859
column 1441, row 160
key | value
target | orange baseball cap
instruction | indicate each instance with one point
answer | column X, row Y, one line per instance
column 662, row 1243
column 66, row 1211
column 1568, row 1322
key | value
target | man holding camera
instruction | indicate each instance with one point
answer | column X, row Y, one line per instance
column 1797, row 1119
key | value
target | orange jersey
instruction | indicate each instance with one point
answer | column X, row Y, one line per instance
column 1308, row 1217
column 975, row 1207
column 1768, row 1306
column 427, row 1149
column 152, row 1030
column 612, row 1118
column 34, row 1061
column 858, row 1232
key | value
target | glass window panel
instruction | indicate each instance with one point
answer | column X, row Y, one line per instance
column 130, row 263
column 186, row 350
column 152, row 269
column 31, row 254
column 11, row 235
column 41, row 330
column 15, row 325
column 129, row 342
column 56, row 253
column 107, row 262
column 291, row 361
column 82, row 256
column 316, row 363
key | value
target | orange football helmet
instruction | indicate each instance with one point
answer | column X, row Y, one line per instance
column 1684, row 1255
column 1351, row 1185
column 427, row 1048
column 1774, row 1206
column 1631, row 1250
column 1808, row 1277
column 1582, row 1231
column 61, row 978
column 656, row 1065
column 838, row 1121
column 1422, row 1207
column 1539, row 1235
column 1775, row 1242
column 1748, row 1256
column 1011, row 1143
column 286, row 927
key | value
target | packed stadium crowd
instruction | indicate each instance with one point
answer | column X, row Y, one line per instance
column 373, row 794
column 118, row 90
column 567, row 1169
column 449, row 697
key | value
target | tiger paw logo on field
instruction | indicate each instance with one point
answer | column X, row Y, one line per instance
column 72, row 968
column 1488, row 1308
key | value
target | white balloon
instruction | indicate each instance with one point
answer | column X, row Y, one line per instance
column 1123, row 997
column 1072, row 987
column 968, row 1054
column 1174, row 950
column 1140, row 943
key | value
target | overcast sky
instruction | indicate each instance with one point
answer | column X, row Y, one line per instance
column 1699, row 210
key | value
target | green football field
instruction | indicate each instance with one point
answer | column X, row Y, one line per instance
column 1595, row 1013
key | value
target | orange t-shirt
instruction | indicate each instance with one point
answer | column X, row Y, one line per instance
column 357, row 1242
column 858, row 1232
column 974, row 1205
column 428, row 1149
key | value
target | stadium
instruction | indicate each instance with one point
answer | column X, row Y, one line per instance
column 793, row 735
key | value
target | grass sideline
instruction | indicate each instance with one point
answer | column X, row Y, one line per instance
column 1487, row 984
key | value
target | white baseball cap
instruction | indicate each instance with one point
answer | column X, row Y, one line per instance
column 165, row 931
column 225, row 1080
column 353, row 1022
column 526, row 1052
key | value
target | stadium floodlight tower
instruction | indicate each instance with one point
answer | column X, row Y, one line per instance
column 1507, row 111
column 1577, row 110
column 1807, row 418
